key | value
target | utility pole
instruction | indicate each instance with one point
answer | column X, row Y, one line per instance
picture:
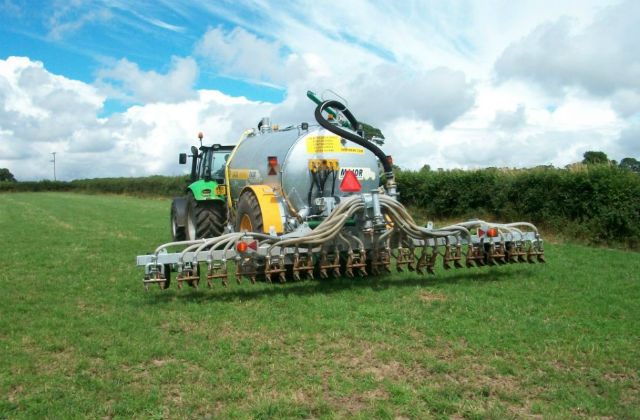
column 54, row 165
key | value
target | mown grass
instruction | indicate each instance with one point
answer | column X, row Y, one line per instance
column 79, row 338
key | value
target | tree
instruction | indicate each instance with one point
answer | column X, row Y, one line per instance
column 6, row 175
column 595, row 158
column 630, row 163
column 372, row 133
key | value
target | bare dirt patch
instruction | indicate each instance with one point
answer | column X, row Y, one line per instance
column 430, row 297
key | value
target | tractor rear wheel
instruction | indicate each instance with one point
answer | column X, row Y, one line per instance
column 177, row 232
column 249, row 216
column 205, row 219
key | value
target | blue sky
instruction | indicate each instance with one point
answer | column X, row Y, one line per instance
column 118, row 88
column 78, row 40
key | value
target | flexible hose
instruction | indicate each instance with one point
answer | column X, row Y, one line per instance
column 348, row 134
column 176, row 243
column 333, row 227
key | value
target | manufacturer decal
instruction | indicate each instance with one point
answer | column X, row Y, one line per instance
column 360, row 173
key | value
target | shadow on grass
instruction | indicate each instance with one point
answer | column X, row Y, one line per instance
column 246, row 291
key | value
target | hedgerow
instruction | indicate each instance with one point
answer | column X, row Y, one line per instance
column 597, row 204
column 144, row 187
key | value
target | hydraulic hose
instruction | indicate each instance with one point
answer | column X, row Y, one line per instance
column 332, row 229
column 177, row 243
column 348, row 134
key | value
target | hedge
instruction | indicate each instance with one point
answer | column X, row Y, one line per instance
column 597, row 204
column 147, row 186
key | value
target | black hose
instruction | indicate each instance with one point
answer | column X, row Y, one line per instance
column 313, row 182
column 333, row 182
column 338, row 106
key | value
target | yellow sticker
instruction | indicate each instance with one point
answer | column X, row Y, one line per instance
column 239, row 174
column 323, row 144
column 329, row 144
column 352, row 150
column 253, row 175
column 221, row 190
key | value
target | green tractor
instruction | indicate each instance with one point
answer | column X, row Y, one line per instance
column 203, row 212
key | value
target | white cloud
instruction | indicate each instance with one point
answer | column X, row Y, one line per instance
column 439, row 95
column 628, row 143
column 62, row 25
column 41, row 107
column 422, row 73
column 239, row 53
column 602, row 58
column 501, row 131
column 510, row 120
column 626, row 102
column 127, row 81
column 10, row 8
column 41, row 113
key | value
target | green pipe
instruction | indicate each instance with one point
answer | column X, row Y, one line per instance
column 314, row 223
column 333, row 113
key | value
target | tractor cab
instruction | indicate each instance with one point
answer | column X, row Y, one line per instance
column 208, row 162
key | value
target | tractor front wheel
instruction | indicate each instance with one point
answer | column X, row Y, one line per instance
column 205, row 218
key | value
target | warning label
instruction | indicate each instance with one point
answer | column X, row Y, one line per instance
column 360, row 173
column 250, row 174
column 329, row 144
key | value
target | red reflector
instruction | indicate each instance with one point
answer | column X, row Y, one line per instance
column 350, row 183
column 273, row 162
column 254, row 245
column 206, row 192
column 241, row 247
column 481, row 233
column 493, row 232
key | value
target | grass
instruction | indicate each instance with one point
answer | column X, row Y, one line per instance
column 79, row 338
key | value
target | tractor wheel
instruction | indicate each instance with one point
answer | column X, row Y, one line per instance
column 205, row 219
column 177, row 232
column 249, row 217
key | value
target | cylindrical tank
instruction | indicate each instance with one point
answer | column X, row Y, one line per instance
column 294, row 148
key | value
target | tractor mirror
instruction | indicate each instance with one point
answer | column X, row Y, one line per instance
column 182, row 159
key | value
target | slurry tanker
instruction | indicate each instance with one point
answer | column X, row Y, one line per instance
column 307, row 201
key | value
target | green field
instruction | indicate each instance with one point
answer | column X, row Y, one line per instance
column 80, row 338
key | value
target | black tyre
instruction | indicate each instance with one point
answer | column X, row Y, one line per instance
column 249, row 216
column 178, row 233
column 205, row 219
